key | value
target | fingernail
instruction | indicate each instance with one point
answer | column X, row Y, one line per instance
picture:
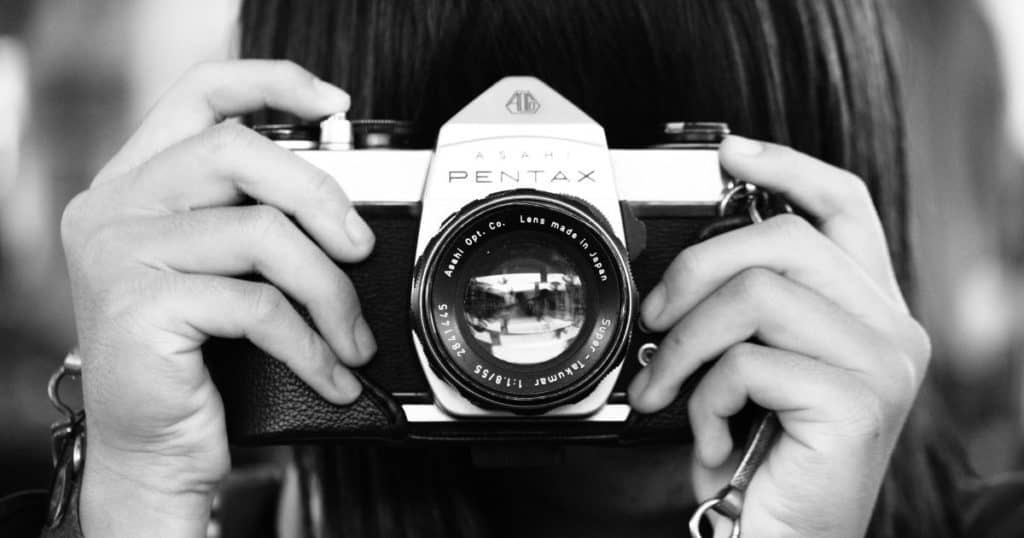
column 358, row 231
column 653, row 305
column 347, row 384
column 335, row 96
column 742, row 146
column 364, row 338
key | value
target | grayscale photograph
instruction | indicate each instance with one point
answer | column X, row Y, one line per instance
column 511, row 268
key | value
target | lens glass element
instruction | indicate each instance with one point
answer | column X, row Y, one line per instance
column 525, row 304
column 523, row 301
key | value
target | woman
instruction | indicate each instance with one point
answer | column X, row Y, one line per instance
column 154, row 244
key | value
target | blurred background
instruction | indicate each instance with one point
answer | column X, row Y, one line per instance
column 77, row 77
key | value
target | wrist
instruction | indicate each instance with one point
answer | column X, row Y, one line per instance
column 116, row 501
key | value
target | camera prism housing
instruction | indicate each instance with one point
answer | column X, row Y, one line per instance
column 504, row 287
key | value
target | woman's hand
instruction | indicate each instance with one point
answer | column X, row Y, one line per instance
column 152, row 248
column 838, row 357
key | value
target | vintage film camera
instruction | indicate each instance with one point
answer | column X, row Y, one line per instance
column 504, row 287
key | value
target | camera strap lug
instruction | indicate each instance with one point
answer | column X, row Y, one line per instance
column 744, row 204
column 757, row 204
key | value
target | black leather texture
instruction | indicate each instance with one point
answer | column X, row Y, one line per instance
column 266, row 404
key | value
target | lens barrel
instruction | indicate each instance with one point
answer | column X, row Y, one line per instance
column 523, row 301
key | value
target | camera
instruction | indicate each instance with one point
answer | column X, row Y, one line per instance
column 504, row 287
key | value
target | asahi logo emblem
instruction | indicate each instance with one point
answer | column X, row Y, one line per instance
column 522, row 102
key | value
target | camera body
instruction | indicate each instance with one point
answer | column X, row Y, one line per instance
column 504, row 287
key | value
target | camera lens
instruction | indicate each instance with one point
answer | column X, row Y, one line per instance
column 523, row 301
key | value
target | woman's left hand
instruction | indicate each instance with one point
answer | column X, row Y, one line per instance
column 839, row 358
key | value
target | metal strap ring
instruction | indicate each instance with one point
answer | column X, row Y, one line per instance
column 731, row 195
column 755, row 213
column 72, row 366
column 702, row 512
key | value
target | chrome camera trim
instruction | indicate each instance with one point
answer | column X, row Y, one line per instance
column 643, row 176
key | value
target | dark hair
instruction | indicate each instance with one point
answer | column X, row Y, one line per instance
column 817, row 75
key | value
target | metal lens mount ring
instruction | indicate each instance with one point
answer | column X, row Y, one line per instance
column 524, row 301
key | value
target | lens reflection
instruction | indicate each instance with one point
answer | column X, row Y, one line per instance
column 527, row 308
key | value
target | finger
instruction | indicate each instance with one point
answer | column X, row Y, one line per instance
column 201, row 306
column 261, row 240
column 761, row 304
column 838, row 201
column 786, row 244
column 708, row 481
column 225, row 164
column 805, row 393
column 210, row 92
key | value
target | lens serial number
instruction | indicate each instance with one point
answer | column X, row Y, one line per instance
column 446, row 329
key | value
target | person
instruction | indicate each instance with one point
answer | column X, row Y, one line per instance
column 154, row 247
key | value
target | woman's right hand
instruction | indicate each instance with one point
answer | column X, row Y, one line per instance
column 153, row 249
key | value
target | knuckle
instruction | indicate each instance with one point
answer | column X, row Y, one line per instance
column 910, row 379
column 314, row 346
column 783, row 154
column 266, row 301
column 908, row 353
column 753, row 285
column 868, row 412
column 203, row 73
column 733, row 361
column 72, row 218
column 852, row 184
column 673, row 341
column 341, row 288
column 313, row 349
column 203, row 69
column 289, row 70
column 904, row 379
column 873, row 415
column 324, row 193
column 227, row 136
column 790, row 227
column 334, row 291
column 266, row 222
column 324, row 187
column 920, row 343
column 688, row 264
column 198, row 71
column 733, row 357
column 853, row 190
